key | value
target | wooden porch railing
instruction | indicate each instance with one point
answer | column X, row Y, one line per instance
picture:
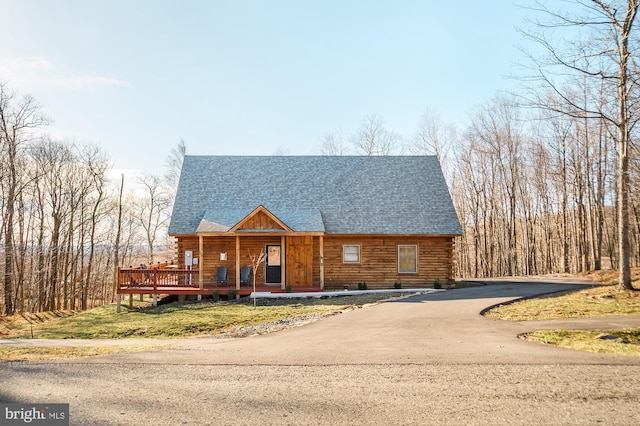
column 129, row 278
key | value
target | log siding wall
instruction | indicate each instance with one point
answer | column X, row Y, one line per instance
column 378, row 265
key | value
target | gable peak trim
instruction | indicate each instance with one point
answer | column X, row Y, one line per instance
column 256, row 211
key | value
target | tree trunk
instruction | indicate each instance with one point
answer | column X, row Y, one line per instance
column 116, row 254
column 8, row 245
column 624, row 278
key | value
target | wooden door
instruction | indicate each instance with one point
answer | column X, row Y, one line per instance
column 299, row 254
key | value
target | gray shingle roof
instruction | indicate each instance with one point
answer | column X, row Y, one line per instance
column 336, row 195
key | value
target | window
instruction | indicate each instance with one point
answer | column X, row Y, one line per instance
column 407, row 259
column 351, row 254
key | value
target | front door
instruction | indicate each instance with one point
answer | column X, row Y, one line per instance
column 299, row 255
column 273, row 265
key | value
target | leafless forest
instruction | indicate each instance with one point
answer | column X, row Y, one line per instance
column 67, row 223
column 544, row 180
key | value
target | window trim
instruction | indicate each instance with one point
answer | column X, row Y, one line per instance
column 353, row 262
column 415, row 247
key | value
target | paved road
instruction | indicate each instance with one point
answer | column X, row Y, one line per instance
column 429, row 359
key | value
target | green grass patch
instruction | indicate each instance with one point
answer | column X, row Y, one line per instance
column 45, row 353
column 465, row 284
column 597, row 301
column 184, row 319
column 614, row 342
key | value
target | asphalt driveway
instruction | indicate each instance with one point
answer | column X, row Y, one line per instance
column 428, row 359
column 442, row 327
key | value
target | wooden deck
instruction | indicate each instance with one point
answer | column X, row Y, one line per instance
column 185, row 282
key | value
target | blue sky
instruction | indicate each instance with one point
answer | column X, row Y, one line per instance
column 250, row 77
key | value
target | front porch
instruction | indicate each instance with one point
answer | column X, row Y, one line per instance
column 188, row 282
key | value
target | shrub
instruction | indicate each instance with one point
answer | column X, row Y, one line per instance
column 362, row 286
column 287, row 288
column 216, row 295
column 397, row 285
column 231, row 294
column 437, row 284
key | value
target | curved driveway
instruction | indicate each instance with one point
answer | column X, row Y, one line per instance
column 441, row 327
column 428, row 359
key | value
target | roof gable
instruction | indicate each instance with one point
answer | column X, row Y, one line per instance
column 260, row 218
column 339, row 195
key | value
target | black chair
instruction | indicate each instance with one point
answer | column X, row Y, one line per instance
column 221, row 276
column 245, row 273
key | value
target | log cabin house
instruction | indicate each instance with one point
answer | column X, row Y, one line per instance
column 324, row 223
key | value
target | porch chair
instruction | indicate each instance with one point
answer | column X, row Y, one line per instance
column 221, row 276
column 245, row 273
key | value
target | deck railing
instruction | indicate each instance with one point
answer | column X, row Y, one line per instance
column 144, row 278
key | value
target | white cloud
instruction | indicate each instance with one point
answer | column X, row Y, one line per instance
column 79, row 83
column 27, row 73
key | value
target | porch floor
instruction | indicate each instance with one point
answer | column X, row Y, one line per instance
column 208, row 290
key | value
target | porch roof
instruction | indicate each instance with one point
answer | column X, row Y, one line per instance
column 222, row 219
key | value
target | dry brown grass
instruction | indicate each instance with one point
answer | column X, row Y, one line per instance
column 611, row 276
column 9, row 353
column 23, row 321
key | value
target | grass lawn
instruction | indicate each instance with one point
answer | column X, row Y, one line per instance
column 613, row 342
column 593, row 302
column 178, row 319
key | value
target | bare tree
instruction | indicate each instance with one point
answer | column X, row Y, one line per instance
column 116, row 249
column 433, row 137
column 56, row 161
column 154, row 211
column 96, row 164
column 372, row 138
column 281, row 150
column 596, row 41
column 17, row 118
column 256, row 260
column 497, row 127
column 334, row 144
column 173, row 164
column 560, row 129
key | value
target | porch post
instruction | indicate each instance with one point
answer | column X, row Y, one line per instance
column 321, row 262
column 237, row 262
column 200, row 262
column 119, row 300
column 283, row 262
